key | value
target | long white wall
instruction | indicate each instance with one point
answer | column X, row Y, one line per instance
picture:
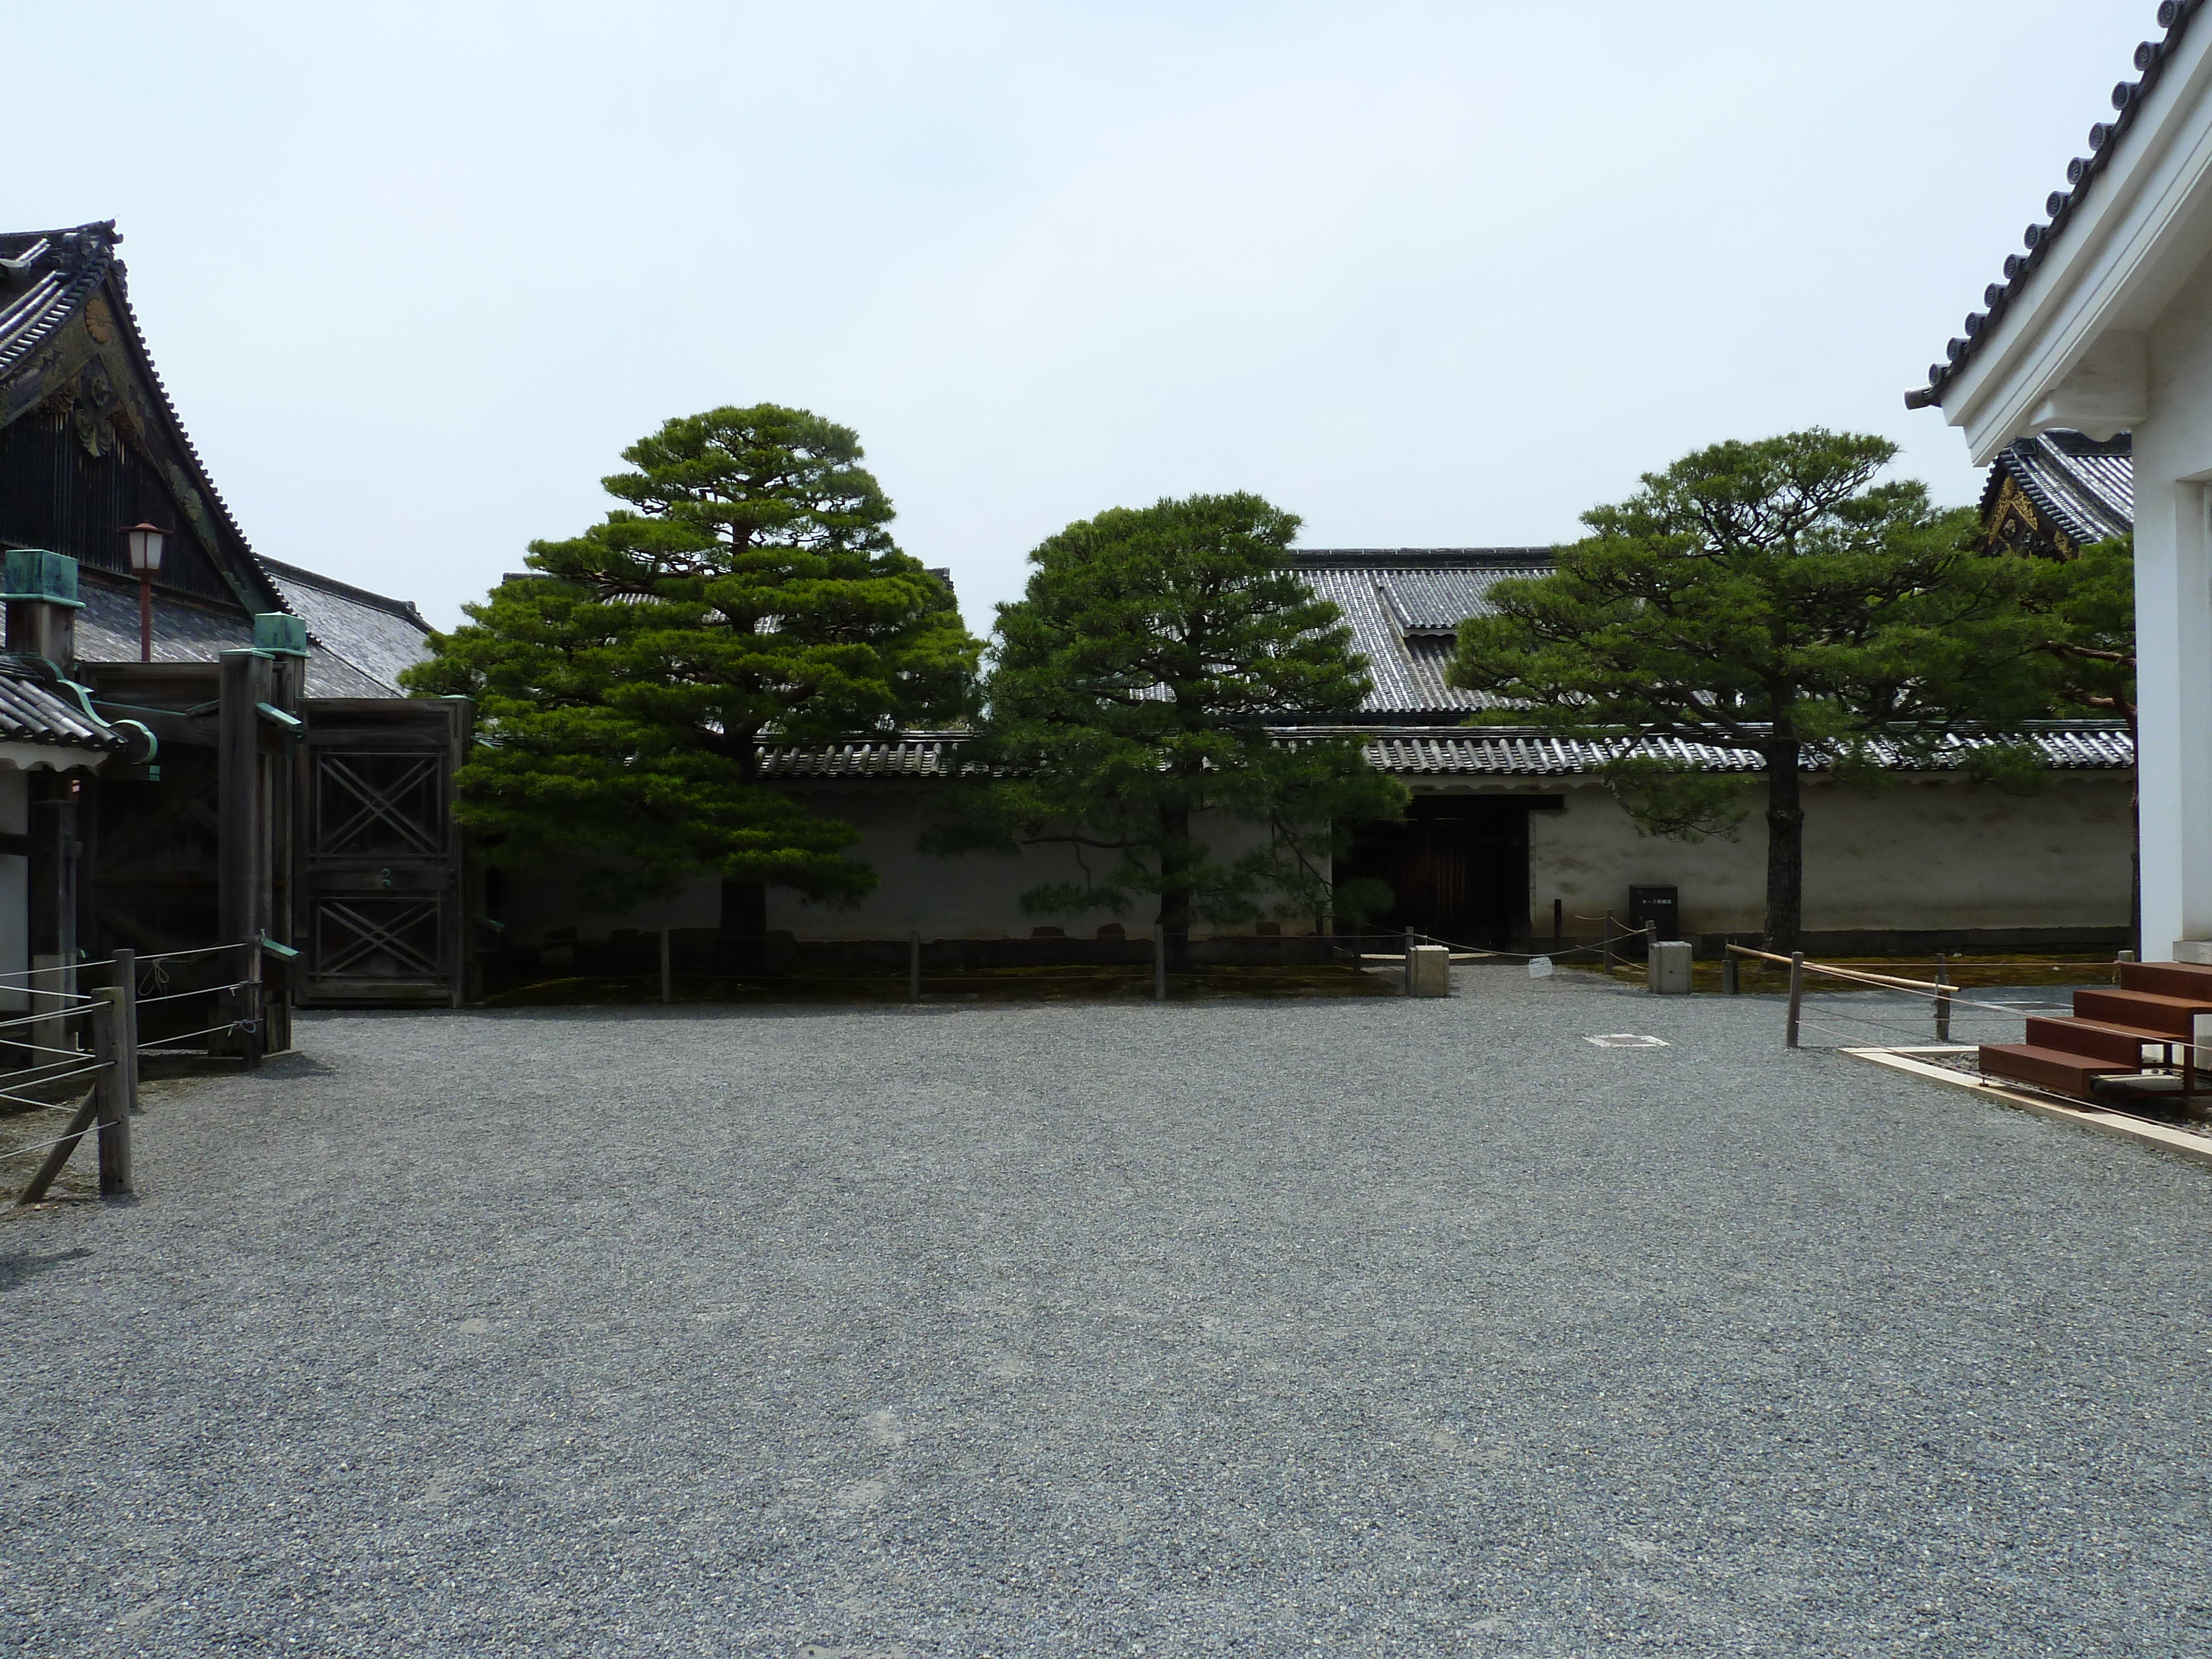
column 1923, row 854
column 972, row 896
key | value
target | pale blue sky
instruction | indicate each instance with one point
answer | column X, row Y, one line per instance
column 1426, row 274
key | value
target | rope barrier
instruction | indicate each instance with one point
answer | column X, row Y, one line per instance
column 93, row 1128
column 200, row 991
column 58, row 1077
column 247, row 1025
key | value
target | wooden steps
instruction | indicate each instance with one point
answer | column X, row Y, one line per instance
column 2156, row 1005
column 2055, row 1069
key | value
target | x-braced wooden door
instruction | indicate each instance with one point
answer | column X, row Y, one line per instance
column 385, row 919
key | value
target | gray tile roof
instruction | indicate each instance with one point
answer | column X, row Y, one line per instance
column 377, row 637
column 1491, row 752
column 2081, row 175
column 2087, row 489
column 44, row 275
column 1404, row 606
column 33, row 709
column 1504, row 752
column 107, row 631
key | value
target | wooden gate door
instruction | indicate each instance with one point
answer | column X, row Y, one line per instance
column 385, row 919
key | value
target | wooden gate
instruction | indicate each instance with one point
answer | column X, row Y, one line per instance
column 383, row 916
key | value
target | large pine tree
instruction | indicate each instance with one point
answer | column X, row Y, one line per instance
column 1769, row 596
column 748, row 594
column 1129, row 701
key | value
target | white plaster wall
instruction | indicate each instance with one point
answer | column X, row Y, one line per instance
column 1938, row 853
column 2174, row 622
column 974, row 895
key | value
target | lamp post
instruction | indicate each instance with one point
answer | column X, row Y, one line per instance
column 145, row 563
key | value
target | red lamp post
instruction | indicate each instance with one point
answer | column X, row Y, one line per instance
column 145, row 563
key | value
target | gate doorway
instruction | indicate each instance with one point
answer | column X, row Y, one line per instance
column 384, row 913
column 1457, row 867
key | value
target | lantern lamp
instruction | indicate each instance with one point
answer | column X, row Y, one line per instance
column 145, row 549
column 145, row 542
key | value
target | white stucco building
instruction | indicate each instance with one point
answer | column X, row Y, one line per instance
column 2103, row 325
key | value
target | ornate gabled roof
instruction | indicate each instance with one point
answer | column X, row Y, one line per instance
column 1404, row 606
column 71, row 347
column 71, row 350
column 2082, row 489
column 2062, row 205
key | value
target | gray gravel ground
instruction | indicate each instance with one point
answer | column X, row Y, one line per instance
column 1392, row 1327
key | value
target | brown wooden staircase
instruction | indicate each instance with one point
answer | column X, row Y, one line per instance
column 2121, row 1047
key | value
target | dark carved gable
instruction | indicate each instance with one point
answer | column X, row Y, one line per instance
column 88, row 440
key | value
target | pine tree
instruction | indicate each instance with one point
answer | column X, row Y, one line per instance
column 1129, row 697
column 1771, row 597
column 748, row 594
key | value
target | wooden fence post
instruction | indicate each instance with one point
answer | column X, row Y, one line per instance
column 1159, row 963
column 1942, row 1001
column 1608, row 944
column 127, row 981
column 256, row 1038
column 110, row 1092
column 1408, row 948
column 1796, row 992
column 914, row 966
column 1731, row 973
column 668, row 974
column 81, row 1121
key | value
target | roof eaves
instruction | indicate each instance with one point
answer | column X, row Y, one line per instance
column 2060, row 207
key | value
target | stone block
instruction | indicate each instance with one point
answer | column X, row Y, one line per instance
column 1669, row 973
column 1431, row 972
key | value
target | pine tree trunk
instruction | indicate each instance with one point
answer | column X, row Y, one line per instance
column 1174, row 886
column 1786, row 849
column 741, row 947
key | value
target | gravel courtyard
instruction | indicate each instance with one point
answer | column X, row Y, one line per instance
column 1359, row 1328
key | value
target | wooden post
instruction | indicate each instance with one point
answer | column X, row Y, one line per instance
column 1408, row 947
column 1159, row 963
column 110, row 1092
column 1942, row 1001
column 1559, row 924
column 81, row 1121
column 667, row 971
column 241, row 859
column 127, row 981
column 1608, row 944
column 1731, row 975
column 914, row 966
column 1796, row 992
column 255, row 1039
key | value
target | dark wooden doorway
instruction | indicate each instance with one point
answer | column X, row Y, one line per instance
column 385, row 919
column 1457, row 867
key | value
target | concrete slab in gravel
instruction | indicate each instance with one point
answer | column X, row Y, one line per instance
column 1400, row 1327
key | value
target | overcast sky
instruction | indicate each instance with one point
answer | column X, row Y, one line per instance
column 1426, row 274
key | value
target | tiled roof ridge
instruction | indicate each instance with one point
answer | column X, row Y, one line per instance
column 2150, row 59
column 403, row 608
column 2048, row 468
column 1416, row 558
column 2069, row 744
column 64, row 297
column 202, row 479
